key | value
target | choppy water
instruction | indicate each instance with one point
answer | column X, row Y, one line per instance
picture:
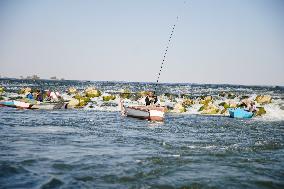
column 100, row 149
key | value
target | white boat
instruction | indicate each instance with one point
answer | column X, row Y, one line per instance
column 153, row 113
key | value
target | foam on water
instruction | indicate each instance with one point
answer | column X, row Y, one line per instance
column 274, row 111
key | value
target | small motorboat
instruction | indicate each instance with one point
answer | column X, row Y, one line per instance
column 239, row 113
column 153, row 113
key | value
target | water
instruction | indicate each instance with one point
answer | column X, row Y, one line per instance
column 102, row 149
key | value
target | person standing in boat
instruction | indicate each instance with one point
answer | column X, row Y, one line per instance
column 155, row 98
column 147, row 100
column 151, row 99
column 30, row 96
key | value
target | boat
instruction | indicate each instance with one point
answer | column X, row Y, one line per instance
column 25, row 105
column 152, row 113
column 7, row 103
column 15, row 104
column 239, row 113
column 149, row 112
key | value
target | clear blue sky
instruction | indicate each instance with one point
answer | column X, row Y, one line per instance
column 216, row 41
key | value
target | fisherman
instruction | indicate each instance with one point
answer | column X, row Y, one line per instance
column 39, row 96
column 151, row 99
column 250, row 106
column 155, row 98
column 30, row 96
column 147, row 100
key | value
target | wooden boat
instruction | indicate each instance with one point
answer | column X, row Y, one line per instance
column 153, row 113
column 239, row 113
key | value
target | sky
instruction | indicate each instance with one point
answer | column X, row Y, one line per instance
column 215, row 41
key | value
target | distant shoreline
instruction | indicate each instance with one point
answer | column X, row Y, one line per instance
column 141, row 82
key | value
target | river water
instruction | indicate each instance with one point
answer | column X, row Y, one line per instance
column 102, row 149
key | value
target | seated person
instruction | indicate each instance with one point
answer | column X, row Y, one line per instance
column 39, row 96
column 30, row 96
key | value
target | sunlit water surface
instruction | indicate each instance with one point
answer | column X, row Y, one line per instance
column 101, row 149
column 81, row 149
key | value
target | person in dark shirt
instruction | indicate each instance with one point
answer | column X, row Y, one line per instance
column 155, row 98
column 151, row 99
column 147, row 100
column 39, row 96
column 30, row 96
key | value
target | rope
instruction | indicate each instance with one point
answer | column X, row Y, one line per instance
column 166, row 51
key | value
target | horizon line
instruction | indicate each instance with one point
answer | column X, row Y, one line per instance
column 149, row 82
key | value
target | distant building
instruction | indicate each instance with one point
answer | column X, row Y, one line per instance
column 35, row 77
column 53, row 78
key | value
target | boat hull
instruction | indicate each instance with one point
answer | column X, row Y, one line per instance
column 144, row 112
column 239, row 113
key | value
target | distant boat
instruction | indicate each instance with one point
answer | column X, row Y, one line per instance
column 25, row 105
column 153, row 113
column 15, row 104
column 239, row 113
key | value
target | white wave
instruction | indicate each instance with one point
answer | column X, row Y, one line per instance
column 102, row 108
column 274, row 111
column 193, row 109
